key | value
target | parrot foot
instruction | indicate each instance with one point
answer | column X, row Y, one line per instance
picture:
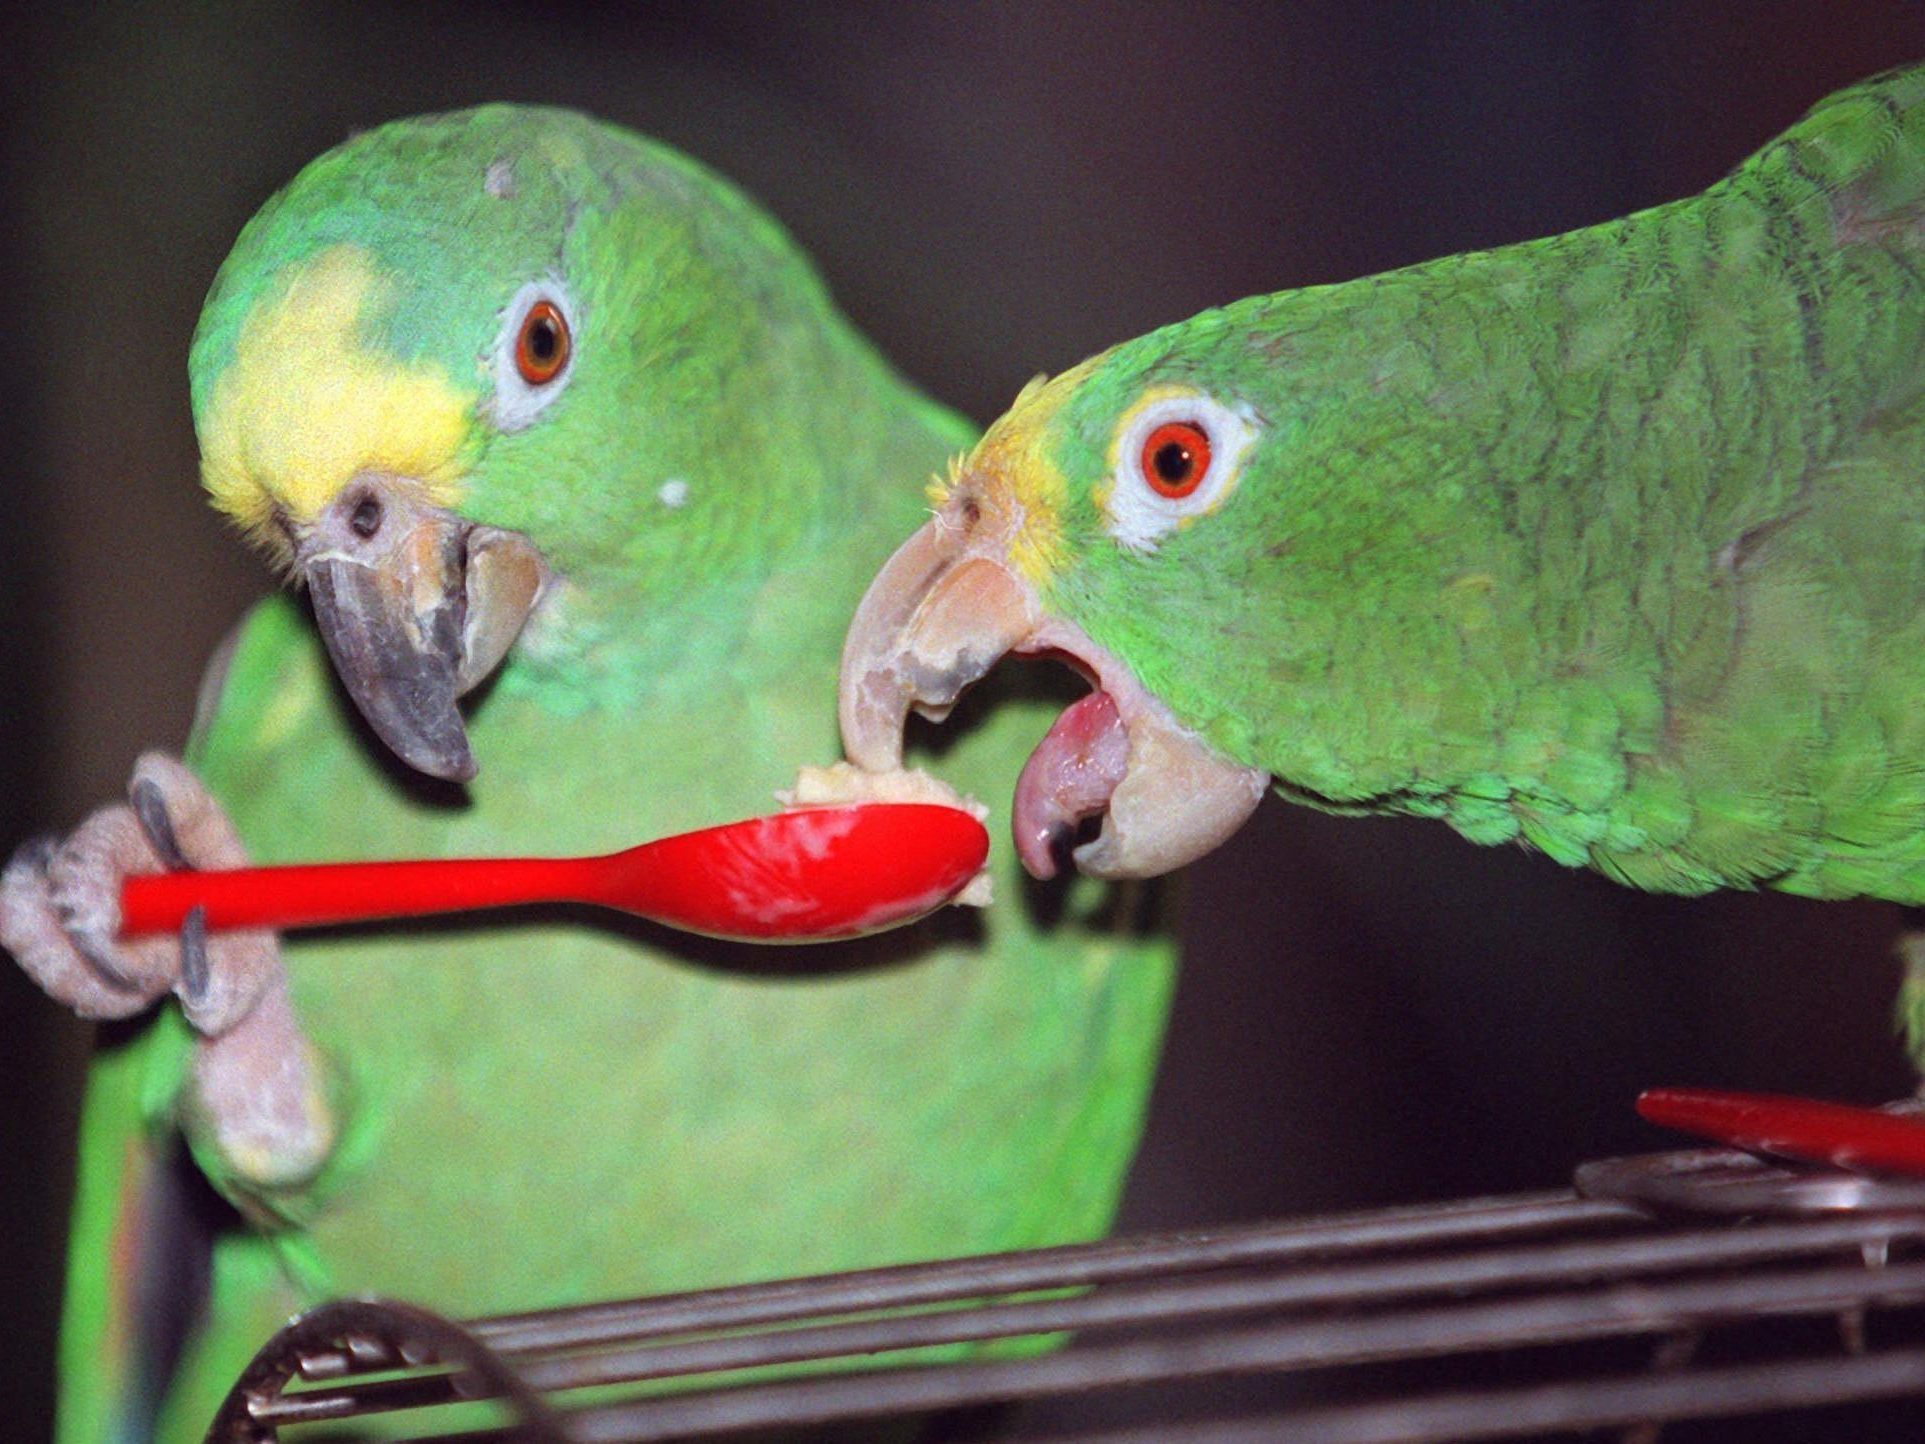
column 256, row 1099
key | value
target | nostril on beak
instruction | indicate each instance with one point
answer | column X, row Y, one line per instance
column 365, row 519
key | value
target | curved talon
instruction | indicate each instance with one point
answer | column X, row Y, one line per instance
column 103, row 963
column 151, row 809
column 99, row 960
column 84, row 942
column 193, row 956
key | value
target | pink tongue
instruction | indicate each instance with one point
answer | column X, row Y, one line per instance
column 1069, row 777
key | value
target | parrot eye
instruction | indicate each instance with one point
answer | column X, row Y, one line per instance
column 541, row 350
column 534, row 352
column 1176, row 457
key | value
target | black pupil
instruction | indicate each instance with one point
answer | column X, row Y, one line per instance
column 1173, row 462
column 544, row 341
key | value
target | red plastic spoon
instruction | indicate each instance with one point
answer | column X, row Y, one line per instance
column 1868, row 1140
column 813, row 874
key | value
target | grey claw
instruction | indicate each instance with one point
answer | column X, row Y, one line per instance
column 100, row 961
column 193, row 956
column 151, row 808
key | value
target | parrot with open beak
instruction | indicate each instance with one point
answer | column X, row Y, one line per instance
column 1611, row 544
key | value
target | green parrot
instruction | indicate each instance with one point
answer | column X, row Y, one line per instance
column 550, row 419
column 1611, row 544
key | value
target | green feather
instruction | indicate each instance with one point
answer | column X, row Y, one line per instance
column 552, row 1109
column 1610, row 542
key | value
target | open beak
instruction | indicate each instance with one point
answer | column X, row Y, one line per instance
column 416, row 606
column 944, row 610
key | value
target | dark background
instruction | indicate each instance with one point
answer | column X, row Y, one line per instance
column 1371, row 1011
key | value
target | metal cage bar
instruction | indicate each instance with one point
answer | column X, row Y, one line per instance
column 1537, row 1278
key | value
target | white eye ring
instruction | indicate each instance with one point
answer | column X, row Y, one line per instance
column 517, row 402
column 1139, row 515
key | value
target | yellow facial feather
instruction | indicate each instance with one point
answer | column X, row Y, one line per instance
column 305, row 404
column 1015, row 474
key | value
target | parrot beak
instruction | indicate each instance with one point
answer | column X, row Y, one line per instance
column 416, row 606
column 944, row 610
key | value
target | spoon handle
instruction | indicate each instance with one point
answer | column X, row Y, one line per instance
column 315, row 894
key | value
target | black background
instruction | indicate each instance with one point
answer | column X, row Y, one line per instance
column 1371, row 1011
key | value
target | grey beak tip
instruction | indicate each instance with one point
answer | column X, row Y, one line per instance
column 451, row 762
column 457, row 772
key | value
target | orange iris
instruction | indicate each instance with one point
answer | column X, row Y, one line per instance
column 541, row 350
column 1176, row 458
